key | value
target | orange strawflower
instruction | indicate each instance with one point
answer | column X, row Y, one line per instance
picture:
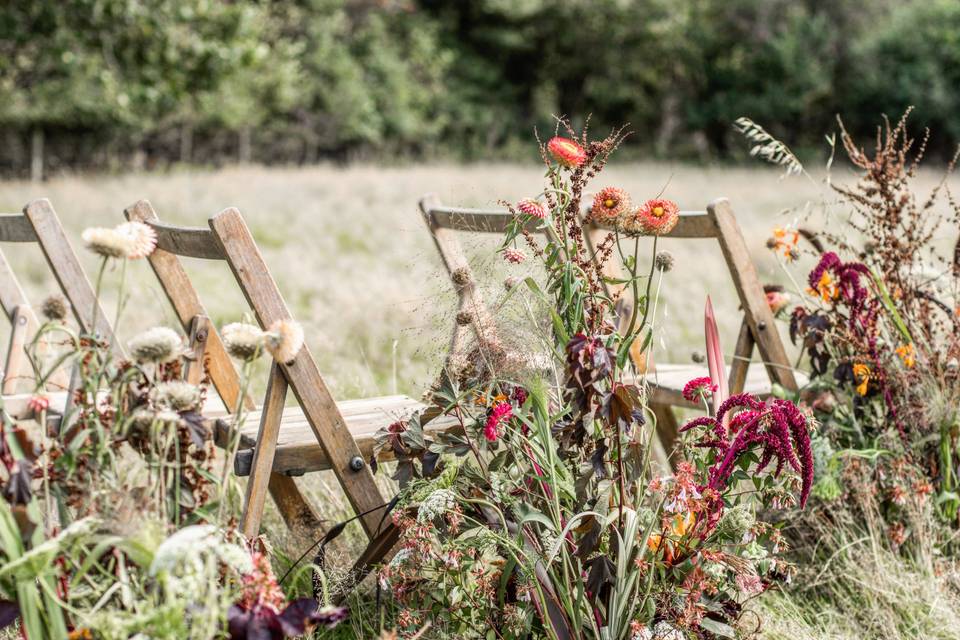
column 566, row 152
column 826, row 289
column 654, row 217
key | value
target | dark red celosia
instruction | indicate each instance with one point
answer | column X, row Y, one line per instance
column 777, row 426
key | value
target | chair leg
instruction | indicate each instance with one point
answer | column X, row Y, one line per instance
column 16, row 363
column 667, row 430
column 742, row 354
column 263, row 454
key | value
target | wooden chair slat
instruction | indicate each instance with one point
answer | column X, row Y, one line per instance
column 15, row 227
column 189, row 242
column 692, row 224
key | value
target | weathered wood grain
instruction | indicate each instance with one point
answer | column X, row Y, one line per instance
column 263, row 453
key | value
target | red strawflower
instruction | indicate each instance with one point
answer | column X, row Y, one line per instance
column 499, row 413
column 654, row 218
column 698, row 388
column 566, row 152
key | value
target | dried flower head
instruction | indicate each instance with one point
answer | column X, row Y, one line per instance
column 566, row 152
column 108, row 243
column 654, row 217
column 510, row 282
column 158, row 345
column 664, row 261
column 608, row 205
column 243, row 340
column 176, row 395
column 142, row 239
column 284, row 340
column 531, row 207
column 54, row 308
column 461, row 277
column 464, row 318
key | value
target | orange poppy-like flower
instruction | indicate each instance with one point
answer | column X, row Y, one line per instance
column 907, row 354
column 655, row 217
column 785, row 241
column 679, row 526
column 609, row 204
column 566, row 152
column 826, row 289
column 862, row 373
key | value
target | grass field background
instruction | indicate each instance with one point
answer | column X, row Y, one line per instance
column 354, row 260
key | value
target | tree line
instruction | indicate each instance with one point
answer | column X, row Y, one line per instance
column 119, row 84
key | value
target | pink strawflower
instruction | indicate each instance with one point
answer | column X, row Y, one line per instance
column 698, row 388
column 531, row 207
column 566, row 152
column 608, row 205
column 513, row 256
column 749, row 584
column 500, row 413
column 653, row 218
column 38, row 403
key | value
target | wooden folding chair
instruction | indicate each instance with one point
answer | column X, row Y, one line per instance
column 666, row 381
column 277, row 443
column 39, row 223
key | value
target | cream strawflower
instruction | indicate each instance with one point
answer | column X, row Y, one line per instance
column 243, row 341
column 177, row 395
column 142, row 239
column 284, row 340
column 158, row 345
column 108, row 243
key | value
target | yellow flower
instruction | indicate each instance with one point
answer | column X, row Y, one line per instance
column 826, row 289
column 862, row 373
column 785, row 241
column 906, row 353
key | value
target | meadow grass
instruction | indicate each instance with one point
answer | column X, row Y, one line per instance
column 354, row 260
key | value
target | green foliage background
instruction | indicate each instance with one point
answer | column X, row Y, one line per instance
column 120, row 83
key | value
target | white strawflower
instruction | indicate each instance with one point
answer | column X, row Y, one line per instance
column 436, row 504
column 242, row 340
column 108, row 243
column 176, row 395
column 142, row 239
column 159, row 345
column 284, row 340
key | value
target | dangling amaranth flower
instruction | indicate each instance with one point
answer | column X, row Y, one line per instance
column 531, row 207
column 242, row 340
column 108, row 243
column 654, row 217
column 608, row 205
column 158, row 345
column 499, row 413
column 142, row 239
column 566, row 152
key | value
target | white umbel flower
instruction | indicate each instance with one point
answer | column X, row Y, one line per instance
column 158, row 345
column 284, row 340
column 242, row 340
column 190, row 559
column 436, row 504
column 142, row 239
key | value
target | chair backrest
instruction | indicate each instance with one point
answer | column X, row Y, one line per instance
column 229, row 239
column 717, row 222
column 39, row 223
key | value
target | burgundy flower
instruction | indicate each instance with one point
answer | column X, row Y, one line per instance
column 264, row 623
column 697, row 388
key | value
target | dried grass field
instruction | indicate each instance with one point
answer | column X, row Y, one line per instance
column 358, row 268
